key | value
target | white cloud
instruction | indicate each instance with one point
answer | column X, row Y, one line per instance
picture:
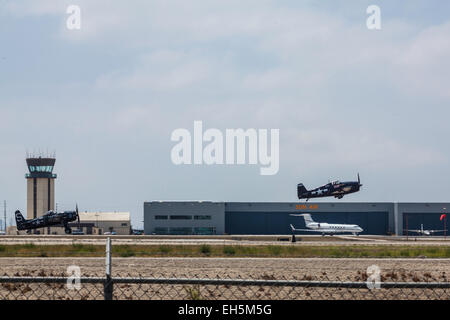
column 341, row 95
column 358, row 148
column 423, row 67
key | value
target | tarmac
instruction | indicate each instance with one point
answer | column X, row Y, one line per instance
column 336, row 240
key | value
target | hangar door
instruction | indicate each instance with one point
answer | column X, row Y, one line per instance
column 376, row 223
column 430, row 221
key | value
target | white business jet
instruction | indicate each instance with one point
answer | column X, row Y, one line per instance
column 326, row 228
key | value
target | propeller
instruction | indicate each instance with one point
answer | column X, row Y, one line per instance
column 78, row 216
column 359, row 181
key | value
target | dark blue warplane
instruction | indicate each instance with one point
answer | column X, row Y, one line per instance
column 51, row 218
column 335, row 189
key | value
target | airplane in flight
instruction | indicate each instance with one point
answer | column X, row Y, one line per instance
column 423, row 232
column 51, row 218
column 335, row 189
column 326, row 228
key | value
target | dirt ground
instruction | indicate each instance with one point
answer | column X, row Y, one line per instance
column 231, row 268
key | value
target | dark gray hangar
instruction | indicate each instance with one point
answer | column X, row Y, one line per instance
column 274, row 218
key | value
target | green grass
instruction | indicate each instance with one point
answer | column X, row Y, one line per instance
column 123, row 251
column 165, row 249
column 275, row 250
column 229, row 250
column 303, row 251
column 83, row 248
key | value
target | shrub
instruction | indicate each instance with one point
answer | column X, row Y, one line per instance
column 205, row 249
column 165, row 249
column 229, row 251
column 193, row 293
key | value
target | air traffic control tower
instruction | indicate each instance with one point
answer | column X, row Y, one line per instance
column 40, row 186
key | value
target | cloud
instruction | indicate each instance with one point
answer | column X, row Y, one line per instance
column 360, row 148
column 160, row 71
column 423, row 66
column 342, row 96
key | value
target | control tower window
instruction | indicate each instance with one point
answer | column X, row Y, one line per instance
column 41, row 169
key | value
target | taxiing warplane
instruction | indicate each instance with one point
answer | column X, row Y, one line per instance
column 326, row 228
column 51, row 218
column 423, row 232
column 335, row 189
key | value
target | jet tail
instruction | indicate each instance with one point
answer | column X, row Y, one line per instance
column 307, row 218
column 301, row 190
column 19, row 220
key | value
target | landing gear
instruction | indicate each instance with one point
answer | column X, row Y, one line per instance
column 67, row 230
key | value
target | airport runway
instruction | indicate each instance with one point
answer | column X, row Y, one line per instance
column 246, row 268
column 340, row 240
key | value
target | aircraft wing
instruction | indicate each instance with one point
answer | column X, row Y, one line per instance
column 430, row 231
column 433, row 231
column 310, row 230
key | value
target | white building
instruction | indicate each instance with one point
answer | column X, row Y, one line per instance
column 118, row 222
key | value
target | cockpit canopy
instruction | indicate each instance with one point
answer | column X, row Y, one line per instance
column 335, row 182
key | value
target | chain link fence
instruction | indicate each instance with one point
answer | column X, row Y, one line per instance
column 398, row 285
column 145, row 288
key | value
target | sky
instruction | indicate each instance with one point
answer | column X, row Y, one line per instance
column 107, row 97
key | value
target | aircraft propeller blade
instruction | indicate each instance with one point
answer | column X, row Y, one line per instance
column 359, row 180
column 78, row 216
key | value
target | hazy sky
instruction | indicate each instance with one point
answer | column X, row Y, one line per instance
column 107, row 97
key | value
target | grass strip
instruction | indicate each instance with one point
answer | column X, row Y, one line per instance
column 278, row 251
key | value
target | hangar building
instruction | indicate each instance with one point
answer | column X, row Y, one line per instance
column 270, row 218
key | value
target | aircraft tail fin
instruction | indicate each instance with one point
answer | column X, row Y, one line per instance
column 19, row 220
column 301, row 190
column 307, row 218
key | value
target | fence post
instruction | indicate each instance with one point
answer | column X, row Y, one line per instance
column 108, row 286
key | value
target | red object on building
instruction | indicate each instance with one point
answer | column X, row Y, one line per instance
column 443, row 216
